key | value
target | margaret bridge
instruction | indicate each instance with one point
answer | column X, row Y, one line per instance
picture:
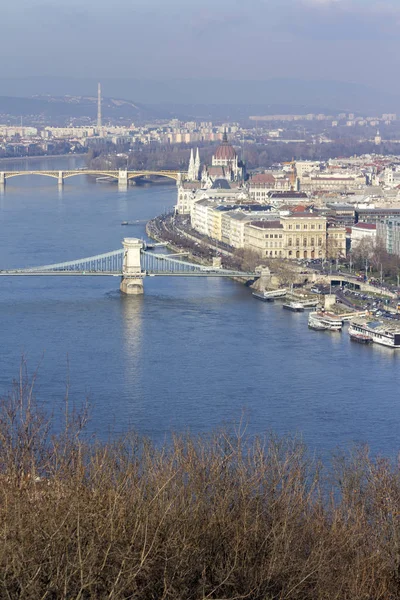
column 132, row 263
column 122, row 176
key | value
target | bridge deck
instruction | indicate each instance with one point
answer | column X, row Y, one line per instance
column 38, row 273
column 112, row 173
column 111, row 264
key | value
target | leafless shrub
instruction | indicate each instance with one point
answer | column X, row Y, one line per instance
column 212, row 517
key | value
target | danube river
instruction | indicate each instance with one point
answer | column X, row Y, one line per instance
column 191, row 354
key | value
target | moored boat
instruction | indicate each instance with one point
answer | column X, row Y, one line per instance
column 270, row 295
column 310, row 303
column 384, row 332
column 293, row 306
column 261, row 296
column 275, row 293
column 316, row 325
column 329, row 320
column 360, row 338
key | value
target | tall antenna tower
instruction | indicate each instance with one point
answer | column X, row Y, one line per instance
column 99, row 106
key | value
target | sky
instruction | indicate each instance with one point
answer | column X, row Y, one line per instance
column 335, row 40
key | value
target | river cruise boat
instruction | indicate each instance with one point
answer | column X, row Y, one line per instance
column 316, row 325
column 360, row 338
column 329, row 320
column 261, row 296
column 276, row 293
column 385, row 332
column 310, row 303
column 293, row 306
column 270, row 295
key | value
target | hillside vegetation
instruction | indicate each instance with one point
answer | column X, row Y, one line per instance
column 222, row 516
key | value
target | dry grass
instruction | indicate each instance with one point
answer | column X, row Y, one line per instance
column 217, row 517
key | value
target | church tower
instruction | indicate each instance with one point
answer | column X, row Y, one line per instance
column 197, row 165
column 191, row 175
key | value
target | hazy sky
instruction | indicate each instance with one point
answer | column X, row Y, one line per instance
column 347, row 40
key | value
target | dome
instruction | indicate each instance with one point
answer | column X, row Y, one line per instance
column 225, row 151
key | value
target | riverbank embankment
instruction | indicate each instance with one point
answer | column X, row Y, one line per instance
column 198, row 249
column 22, row 159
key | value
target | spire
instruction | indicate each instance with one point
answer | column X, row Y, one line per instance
column 197, row 164
column 191, row 170
column 225, row 136
column 99, row 106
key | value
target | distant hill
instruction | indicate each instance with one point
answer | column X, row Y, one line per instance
column 339, row 96
column 55, row 108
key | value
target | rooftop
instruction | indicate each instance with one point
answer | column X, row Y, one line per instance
column 222, row 184
column 267, row 224
column 304, row 215
column 262, row 178
column 286, row 195
column 381, row 326
column 364, row 226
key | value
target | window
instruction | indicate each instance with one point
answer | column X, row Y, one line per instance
column 312, row 242
column 304, row 226
column 297, row 242
column 305, row 242
column 319, row 226
column 289, row 241
column 280, row 236
column 313, row 226
column 290, row 227
column 276, row 236
column 297, row 226
column 290, row 253
column 319, row 241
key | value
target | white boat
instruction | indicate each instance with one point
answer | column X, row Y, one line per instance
column 310, row 303
column 105, row 179
column 360, row 338
column 316, row 325
column 275, row 293
column 383, row 332
column 293, row 306
column 269, row 295
column 261, row 296
column 329, row 320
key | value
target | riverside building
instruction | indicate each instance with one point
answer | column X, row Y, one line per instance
column 223, row 178
column 294, row 236
column 388, row 232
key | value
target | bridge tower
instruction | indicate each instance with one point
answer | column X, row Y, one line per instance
column 123, row 179
column 132, row 278
column 60, row 178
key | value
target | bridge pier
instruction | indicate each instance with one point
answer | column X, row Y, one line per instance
column 60, row 179
column 132, row 278
column 2, row 180
column 122, row 179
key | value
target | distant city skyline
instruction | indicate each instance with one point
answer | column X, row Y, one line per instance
column 346, row 40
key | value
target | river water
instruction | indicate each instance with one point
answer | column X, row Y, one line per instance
column 191, row 354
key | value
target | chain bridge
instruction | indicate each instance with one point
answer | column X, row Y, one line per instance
column 132, row 263
column 121, row 175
